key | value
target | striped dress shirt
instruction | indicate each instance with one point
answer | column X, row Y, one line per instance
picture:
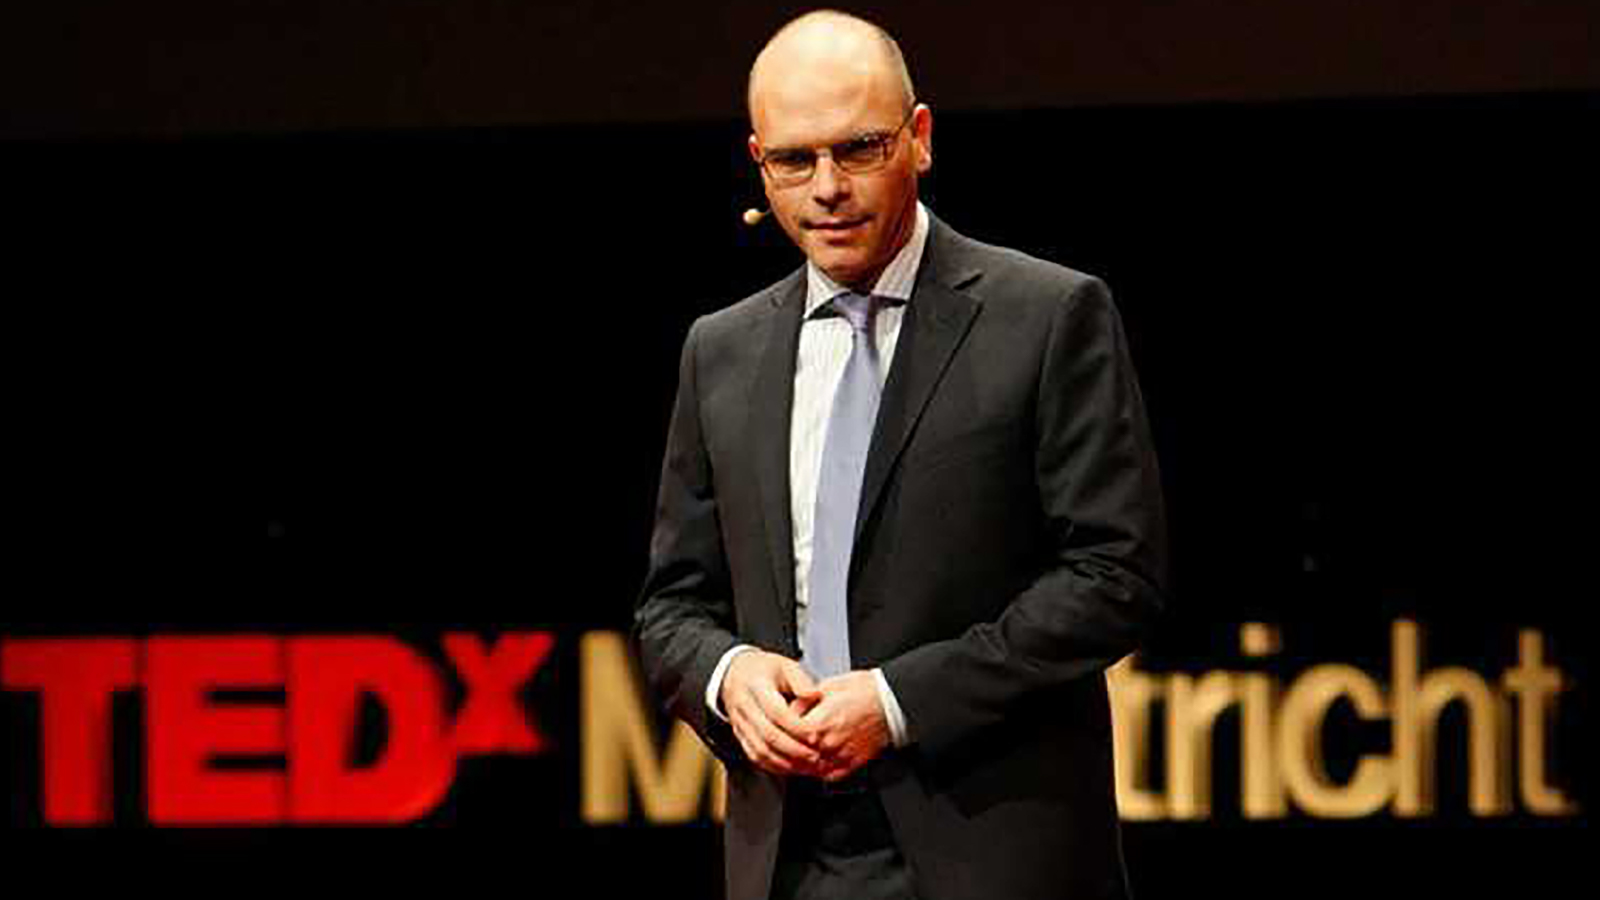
column 825, row 345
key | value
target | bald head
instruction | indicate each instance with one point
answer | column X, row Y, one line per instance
column 828, row 44
column 831, row 103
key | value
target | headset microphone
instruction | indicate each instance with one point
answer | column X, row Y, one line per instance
column 753, row 216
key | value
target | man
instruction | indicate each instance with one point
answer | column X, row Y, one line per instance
column 909, row 513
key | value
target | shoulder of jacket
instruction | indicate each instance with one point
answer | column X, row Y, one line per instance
column 1012, row 276
column 747, row 311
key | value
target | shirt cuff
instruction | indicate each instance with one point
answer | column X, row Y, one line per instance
column 714, row 686
column 891, row 711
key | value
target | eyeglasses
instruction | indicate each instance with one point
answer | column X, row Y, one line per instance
column 857, row 156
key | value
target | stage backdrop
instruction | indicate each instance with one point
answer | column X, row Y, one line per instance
column 1357, row 328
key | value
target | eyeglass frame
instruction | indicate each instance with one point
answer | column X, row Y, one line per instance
column 885, row 141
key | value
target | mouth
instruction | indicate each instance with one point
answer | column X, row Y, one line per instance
column 836, row 226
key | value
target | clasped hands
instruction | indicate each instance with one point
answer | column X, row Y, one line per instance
column 789, row 724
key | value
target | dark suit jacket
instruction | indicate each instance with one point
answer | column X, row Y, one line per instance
column 1010, row 546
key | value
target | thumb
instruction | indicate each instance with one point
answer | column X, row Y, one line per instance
column 800, row 683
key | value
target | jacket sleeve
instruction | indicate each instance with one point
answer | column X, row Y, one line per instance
column 684, row 619
column 1099, row 490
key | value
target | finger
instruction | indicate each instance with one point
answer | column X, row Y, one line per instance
column 783, row 744
column 799, row 683
column 816, row 722
column 769, row 729
column 819, row 711
column 802, row 705
column 757, row 749
column 777, row 711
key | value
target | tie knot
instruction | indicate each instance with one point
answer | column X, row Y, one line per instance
column 858, row 308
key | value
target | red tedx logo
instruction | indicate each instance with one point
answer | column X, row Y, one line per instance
column 324, row 679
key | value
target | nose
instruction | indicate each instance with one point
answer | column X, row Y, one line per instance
column 829, row 184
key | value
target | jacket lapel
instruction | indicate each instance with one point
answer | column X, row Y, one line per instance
column 771, row 399
column 936, row 320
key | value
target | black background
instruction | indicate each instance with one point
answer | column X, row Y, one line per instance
column 1360, row 324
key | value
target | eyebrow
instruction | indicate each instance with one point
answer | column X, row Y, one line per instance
column 875, row 133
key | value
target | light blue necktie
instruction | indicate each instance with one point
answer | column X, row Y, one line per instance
column 825, row 639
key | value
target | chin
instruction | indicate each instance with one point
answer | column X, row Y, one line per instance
column 844, row 276
column 846, row 269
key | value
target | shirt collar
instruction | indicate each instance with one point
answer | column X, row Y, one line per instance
column 897, row 279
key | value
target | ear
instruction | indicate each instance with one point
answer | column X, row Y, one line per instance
column 755, row 148
column 922, row 136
